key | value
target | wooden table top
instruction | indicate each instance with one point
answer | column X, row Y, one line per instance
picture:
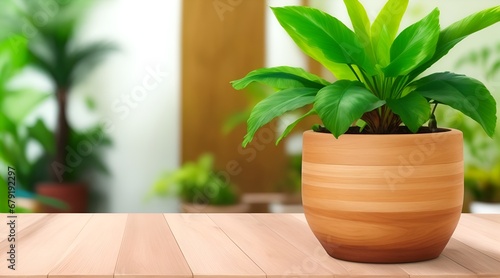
column 218, row 245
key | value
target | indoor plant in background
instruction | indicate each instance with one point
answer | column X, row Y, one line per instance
column 380, row 191
column 199, row 188
column 482, row 168
column 55, row 53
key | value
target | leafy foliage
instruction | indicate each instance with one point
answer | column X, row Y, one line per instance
column 196, row 182
column 376, row 68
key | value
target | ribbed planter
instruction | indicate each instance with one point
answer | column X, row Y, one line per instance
column 383, row 198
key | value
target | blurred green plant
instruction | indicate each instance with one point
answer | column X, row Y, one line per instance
column 196, row 182
column 486, row 59
column 15, row 135
column 482, row 163
column 53, row 50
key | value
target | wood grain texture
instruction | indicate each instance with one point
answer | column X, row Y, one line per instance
column 218, row 245
column 468, row 257
column 490, row 217
column 483, row 234
column 294, row 229
column 149, row 250
column 272, row 253
column 23, row 221
column 208, row 250
column 383, row 198
column 95, row 251
column 41, row 245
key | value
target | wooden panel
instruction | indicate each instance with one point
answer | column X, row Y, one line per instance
column 221, row 245
column 95, row 251
column 294, row 229
column 273, row 254
column 223, row 41
column 482, row 234
column 149, row 250
column 208, row 251
column 475, row 261
column 441, row 267
column 491, row 217
column 22, row 222
column 41, row 245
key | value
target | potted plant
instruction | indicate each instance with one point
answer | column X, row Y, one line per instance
column 389, row 189
column 199, row 187
column 15, row 134
column 54, row 52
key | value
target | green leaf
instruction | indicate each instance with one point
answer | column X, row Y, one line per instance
column 323, row 37
column 43, row 135
column 20, row 103
column 458, row 31
column 291, row 126
column 276, row 105
column 413, row 109
column 414, row 46
column 4, row 194
column 360, row 23
column 340, row 104
column 385, row 28
column 462, row 93
column 281, row 78
column 383, row 44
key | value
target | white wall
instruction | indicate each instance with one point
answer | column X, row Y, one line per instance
column 137, row 90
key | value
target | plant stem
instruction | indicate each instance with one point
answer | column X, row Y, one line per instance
column 62, row 132
column 352, row 69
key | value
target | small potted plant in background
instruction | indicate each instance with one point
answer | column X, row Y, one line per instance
column 389, row 189
column 54, row 52
column 199, row 188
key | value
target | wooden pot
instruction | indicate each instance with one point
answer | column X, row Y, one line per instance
column 383, row 198
column 75, row 195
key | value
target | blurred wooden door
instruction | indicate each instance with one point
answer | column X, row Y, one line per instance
column 222, row 40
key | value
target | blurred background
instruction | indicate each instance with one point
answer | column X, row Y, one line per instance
column 128, row 103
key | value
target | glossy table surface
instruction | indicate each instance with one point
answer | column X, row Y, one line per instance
column 216, row 245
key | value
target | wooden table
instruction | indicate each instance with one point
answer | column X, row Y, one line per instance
column 218, row 245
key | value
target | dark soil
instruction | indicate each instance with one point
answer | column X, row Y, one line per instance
column 401, row 130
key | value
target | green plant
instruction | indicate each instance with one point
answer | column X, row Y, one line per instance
column 377, row 71
column 15, row 135
column 54, row 51
column 196, row 182
column 482, row 163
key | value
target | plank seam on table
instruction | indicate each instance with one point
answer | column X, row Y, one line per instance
column 184, row 219
column 208, row 215
column 341, row 263
column 473, row 247
column 468, row 267
column 121, row 245
column 177, row 243
column 293, row 267
column 288, row 240
column 68, row 250
column 74, row 247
